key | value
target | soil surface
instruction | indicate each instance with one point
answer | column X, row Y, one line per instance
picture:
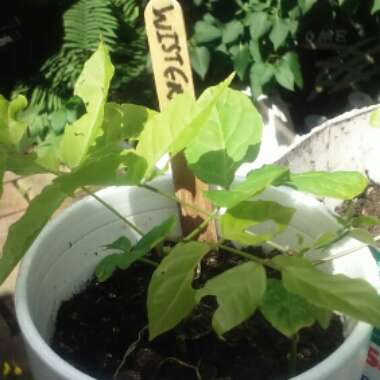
column 108, row 321
column 367, row 204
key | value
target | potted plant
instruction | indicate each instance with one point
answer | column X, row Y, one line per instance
column 120, row 228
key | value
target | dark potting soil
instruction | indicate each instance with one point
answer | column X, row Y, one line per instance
column 108, row 321
column 368, row 203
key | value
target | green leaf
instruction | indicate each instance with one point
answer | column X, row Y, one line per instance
column 256, row 181
column 261, row 73
column 340, row 185
column 236, row 221
column 353, row 297
column 375, row 116
column 129, row 256
column 375, row 7
column 364, row 236
column 179, row 122
column 294, row 66
column 259, row 25
column 365, row 220
column 92, row 87
column 122, row 244
column 206, row 32
column 279, row 33
column 122, row 122
column 286, row 312
column 154, row 237
column 171, row 296
column 47, row 153
column 254, row 49
column 24, row 164
column 242, row 60
column 238, row 291
column 306, row 5
column 232, row 31
column 200, row 60
column 22, row 233
column 284, row 75
column 230, row 137
column 12, row 130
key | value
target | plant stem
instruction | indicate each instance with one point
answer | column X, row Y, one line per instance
column 148, row 261
column 177, row 200
column 199, row 229
column 344, row 253
column 113, row 210
column 292, row 360
column 246, row 255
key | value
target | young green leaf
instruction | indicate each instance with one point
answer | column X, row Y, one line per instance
column 122, row 244
column 12, row 130
column 365, row 220
column 279, row 33
column 92, row 87
column 364, row 236
column 286, row 312
column 236, row 221
column 22, row 234
column 232, row 31
column 341, row 185
column 24, row 164
column 47, row 153
column 230, row 137
column 172, row 130
column 353, row 297
column 124, row 121
column 200, row 60
column 238, row 291
column 171, row 296
column 256, row 181
column 130, row 255
column 259, row 24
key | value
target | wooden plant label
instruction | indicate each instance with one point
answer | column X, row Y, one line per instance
column 173, row 75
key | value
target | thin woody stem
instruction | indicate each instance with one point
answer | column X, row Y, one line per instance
column 114, row 211
column 177, row 200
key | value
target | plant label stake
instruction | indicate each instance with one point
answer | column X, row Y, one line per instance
column 172, row 73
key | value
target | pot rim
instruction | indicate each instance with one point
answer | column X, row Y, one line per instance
column 30, row 333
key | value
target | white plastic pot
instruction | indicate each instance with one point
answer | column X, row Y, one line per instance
column 65, row 254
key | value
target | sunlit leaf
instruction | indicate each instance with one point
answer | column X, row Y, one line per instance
column 364, row 236
column 238, row 291
column 12, row 130
column 236, row 222
column 341, row 185
column 92, row 87
column 230, row 137
column 171, row 296
column 375, row 116
column 256, row 181
column 365, row 220
column 286, row 312
column 353, row 297
column 179, row 122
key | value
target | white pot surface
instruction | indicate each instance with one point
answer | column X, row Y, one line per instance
column 65, row 254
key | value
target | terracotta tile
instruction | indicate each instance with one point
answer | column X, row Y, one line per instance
column 12, row 201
